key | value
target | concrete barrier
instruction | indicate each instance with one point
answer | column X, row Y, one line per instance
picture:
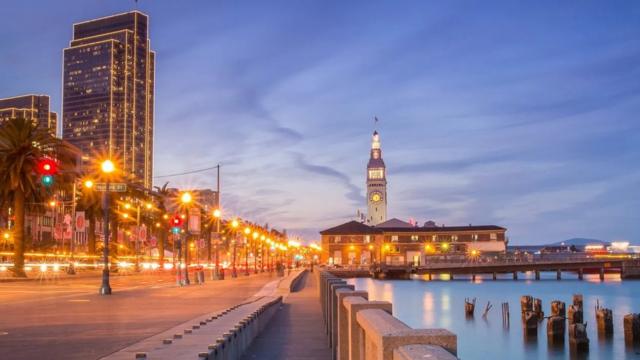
column 359, row 329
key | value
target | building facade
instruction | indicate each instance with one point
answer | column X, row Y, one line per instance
column 109, row 90
column 376, row 184
column 30, row 107
column 355, row 243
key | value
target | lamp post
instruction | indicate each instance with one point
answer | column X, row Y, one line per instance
column 255, row 252
column 107, row 168
column 186, row 199
column 247, row 231
column 234, row 225
column 216, row 214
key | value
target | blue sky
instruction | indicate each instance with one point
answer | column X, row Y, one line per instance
column 520, row 115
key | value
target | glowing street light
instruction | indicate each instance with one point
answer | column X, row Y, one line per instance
column 107, row 167
column 88, row 184
column 186, row 197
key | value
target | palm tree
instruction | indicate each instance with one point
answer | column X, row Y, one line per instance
column 22, row 145
column 92, row 206
column 163, row 194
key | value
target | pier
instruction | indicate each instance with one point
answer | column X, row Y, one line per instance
column 628, row 269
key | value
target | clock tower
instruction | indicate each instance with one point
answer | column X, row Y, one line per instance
column 376, row 184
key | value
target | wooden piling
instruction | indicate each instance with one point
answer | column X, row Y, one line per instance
column 559, row 274
column 580, row 274
column 555, row 329
column 575, row 314
column 577, row 300
column 469, row 306
column 526, row 304
column 537, row 308
column 601, row 274
column 515, row 275
column 530, row 324
column 537, row 275
column 495, row 276
column 558, row 308
column 604, row 320
column 578, row 340
column 632, row 329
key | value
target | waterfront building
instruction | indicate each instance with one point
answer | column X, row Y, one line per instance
column 31, row 107
column 397, row 242
column 108, row 92
column 376, row 184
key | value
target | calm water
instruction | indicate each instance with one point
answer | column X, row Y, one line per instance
column 440, row 303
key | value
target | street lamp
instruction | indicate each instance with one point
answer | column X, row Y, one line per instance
column 107, row 168
column 234, row 225
column 186, row 199
column 255, row 252
column 247, row 232
column 217, row 214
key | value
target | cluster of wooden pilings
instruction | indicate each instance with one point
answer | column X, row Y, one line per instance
column 559, row 317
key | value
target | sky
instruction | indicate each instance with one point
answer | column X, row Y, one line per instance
column 523, row 115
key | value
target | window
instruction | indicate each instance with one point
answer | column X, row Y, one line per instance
column 414, row 237
column 493, row 236
column 474, row 237
column 337, row 239
column 394, row 237
column 367, row 239
column 434, row 238
column 376, row 173
column 454, row 237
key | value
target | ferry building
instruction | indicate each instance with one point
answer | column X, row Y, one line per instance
column 375, row 239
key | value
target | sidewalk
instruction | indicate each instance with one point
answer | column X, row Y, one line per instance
column 295, row 331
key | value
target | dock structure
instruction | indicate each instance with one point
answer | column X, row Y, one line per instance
column 628, row 269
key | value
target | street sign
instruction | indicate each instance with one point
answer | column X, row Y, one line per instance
column 113, row 187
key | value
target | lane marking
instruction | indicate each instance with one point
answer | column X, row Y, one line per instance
column 79, row 300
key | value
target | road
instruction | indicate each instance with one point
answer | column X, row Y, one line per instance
column 69, row 320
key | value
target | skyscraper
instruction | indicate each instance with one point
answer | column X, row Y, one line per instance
column 376, row 184
column 108, row 92
column 30, row 107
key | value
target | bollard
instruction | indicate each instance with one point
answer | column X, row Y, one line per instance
column 575, row 315
column 558, row 308
column 578, row 340
column 537, row 272
column 559, row 274
column 555, row 329
column 495, row 276
column 604, row 319
column 632, row 329
column 515, row 275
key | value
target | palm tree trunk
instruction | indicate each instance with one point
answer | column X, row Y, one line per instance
column 91, row 236
column 18, row 234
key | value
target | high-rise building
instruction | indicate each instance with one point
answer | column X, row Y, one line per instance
column 376, row 184
column 30, row 107
column 108, row 92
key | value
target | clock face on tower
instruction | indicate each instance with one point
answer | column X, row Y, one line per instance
column 375, row 196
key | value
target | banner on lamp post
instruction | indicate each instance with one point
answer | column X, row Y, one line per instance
column 194, row 221
column 80, row 221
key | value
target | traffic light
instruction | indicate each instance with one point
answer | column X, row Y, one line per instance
column 176, row 221
column 47, row 180
column 47, row 168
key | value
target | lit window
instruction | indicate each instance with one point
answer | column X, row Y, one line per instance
column 474, row 237
column 493, row 236
column 434, row 238
column 367, row 239
column 394, row 237
column 414, row 237
column 337, row 239
column 454, row 237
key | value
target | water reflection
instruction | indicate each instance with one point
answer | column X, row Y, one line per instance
column 440, row 303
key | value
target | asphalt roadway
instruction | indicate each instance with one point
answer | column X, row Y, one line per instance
column 67, row 319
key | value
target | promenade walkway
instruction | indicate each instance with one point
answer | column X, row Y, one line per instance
column 296, row 331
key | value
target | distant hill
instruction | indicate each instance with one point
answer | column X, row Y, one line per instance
column 581, row 242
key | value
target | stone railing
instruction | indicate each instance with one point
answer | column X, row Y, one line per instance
column 360, row 329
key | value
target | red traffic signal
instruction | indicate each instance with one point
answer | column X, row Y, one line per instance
column 47, row 167
column 176, row 221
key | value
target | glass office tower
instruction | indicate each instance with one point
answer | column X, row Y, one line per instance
column 108, row 92
column 30, row 107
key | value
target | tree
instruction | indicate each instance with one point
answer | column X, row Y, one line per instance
column 22, row 145
column 163, row 194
